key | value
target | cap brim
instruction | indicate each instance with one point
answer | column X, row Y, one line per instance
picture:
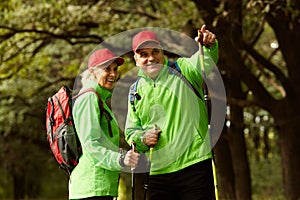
column 118, row 60
column 147, row 41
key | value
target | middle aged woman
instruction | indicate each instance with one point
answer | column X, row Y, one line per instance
column 97, row 174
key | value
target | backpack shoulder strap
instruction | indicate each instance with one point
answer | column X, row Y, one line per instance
column 175, row 69
column 174, row 65
column 133, row 93
column 90, row 90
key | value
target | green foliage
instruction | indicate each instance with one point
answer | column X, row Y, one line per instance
column 260, row 133
column 263, row 153
column 267, row 178
column 6, row 188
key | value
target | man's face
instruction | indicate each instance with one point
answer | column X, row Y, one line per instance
column 150, row 58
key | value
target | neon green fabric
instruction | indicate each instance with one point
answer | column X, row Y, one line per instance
column 97, row 173
column 168, row 102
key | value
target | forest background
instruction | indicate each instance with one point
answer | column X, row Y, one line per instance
column 43, row 44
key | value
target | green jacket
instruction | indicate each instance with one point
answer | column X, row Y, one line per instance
column 168, row 102
column 97, row 173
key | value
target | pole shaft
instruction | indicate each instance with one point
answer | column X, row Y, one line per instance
column 132, row 175
column 206, row 99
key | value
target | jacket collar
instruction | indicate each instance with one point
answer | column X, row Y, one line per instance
column 104, row 93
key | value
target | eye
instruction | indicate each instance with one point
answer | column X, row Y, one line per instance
column 143, row 54
column 156, row 51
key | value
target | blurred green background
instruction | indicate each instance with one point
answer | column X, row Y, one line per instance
column 44, row 43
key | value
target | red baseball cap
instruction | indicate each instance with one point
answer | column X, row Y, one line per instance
column 103, row 56
column 142, row 37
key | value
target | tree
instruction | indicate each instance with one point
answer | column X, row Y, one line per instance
column 239, row 32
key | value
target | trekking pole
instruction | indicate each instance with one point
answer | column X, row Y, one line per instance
column 206, row 99
column 132, row 174
column 150, row 161
column 147, row 178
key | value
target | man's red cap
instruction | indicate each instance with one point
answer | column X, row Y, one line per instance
column 142, row 37
column 103, row 56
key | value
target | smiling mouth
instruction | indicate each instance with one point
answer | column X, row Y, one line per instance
column 153, row 65
column 111, row 80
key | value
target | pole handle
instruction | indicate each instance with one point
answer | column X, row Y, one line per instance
column 150, row 153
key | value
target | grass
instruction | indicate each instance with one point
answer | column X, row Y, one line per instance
column 266, row 176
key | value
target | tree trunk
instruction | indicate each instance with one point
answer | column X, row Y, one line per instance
column 238, row 145
column 283, row 17
column 290, row 151
column 19, row 186
column 287, row 27
column 224, row 168
column 228, row 31
column 239, row 157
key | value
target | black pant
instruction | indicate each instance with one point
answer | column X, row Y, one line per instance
column 192, row 183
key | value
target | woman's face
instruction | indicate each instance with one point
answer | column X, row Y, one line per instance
column 108, row 76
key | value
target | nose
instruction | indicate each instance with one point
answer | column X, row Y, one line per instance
column 112, row 72
column 151, row 57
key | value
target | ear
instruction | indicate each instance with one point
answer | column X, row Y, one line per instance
column 91, row 70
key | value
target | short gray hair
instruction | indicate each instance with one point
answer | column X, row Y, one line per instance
column 92, row 73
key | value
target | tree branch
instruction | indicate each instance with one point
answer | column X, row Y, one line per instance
column 118, row 10
column 67, row 37
column 267, row 64
column 262, row 96
column 46, row 85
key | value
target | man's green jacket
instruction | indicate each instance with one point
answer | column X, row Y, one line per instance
column 172, row 105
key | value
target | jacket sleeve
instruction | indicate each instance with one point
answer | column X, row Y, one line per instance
column 213, row 52
column 93, row 140
column 134, row 130
column 191, row 67
column 211, row 57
